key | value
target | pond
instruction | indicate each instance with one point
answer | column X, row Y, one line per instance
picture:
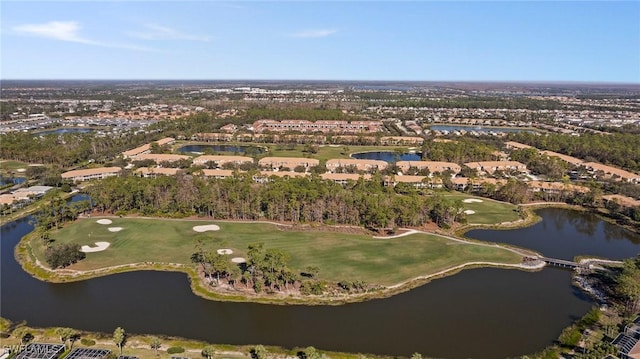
column 220, row 148
column 565, row 234
column 387, row 156
column 11, row 180
column 496, row 313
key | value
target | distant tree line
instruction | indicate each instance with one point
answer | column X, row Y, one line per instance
column 619, row 149
column 68, row 149
column 479, row 102
column 299, row 200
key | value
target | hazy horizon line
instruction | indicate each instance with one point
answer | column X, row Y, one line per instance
column 550, row 82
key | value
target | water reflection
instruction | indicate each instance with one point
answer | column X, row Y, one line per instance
column 507, row 312
column 565, row 234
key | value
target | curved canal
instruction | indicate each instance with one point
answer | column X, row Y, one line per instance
column 480, row 313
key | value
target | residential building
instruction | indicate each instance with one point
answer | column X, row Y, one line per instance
column 360, row 165
column 622, row 200
column 146, row 148
column 265, row 176
column 475, row 184
column 156, row 171
column 569, row 159
column 401, row 140
column 91, row 173
column 555, row 187
column 432, row 166
column 516, row 145
column 279, row 163
column 489, row 167
column 317, row 126
column 416, row 181
column 343, row 178
column 221, row 160
column 613, row 172
column 628, row 342
column 160, row 157
column 219, row 174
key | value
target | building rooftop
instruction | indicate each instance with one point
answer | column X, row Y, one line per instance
column 88, row 353
column 221, row 158
column 41, row 351
column 160, row 157
column 91, row 171
column 157, row 170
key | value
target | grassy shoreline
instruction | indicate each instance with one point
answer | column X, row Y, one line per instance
column 139, row 345
column 24, row 253
column 28, row 260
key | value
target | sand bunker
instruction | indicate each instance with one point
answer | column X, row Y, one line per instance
column 104, row 221
column 100, row 246
column 115, row 229
column 225, row 251
column 21, row 170
column 469, row 211
column 472, row 200
column 208, row 227
column 238, row 260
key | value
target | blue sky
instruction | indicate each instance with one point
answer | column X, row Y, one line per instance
column 325, row 40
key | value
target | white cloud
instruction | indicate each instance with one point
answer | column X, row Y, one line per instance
column 314, row 33
column 158, row 32
column 68, row 31
column 59, row 30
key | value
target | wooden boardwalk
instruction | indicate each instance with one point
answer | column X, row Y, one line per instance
column 562, row 263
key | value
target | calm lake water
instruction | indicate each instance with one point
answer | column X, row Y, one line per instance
column 496, row 313
column 220, row 148
column 565, row 234
column 14, row 180
column 387, row 156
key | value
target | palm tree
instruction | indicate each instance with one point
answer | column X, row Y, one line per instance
column 64, row 334
column 119, row 338
column 208, row 351
column 259, row 352
column 155, row 344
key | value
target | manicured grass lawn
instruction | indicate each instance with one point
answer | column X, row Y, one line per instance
column 488, row 211
column 339, row 256
column 9, row 165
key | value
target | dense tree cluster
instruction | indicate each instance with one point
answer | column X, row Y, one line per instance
column 68, row 149
column 460, row 151
column 628, row 285
column 54, row 212
column 308, row 200
column 62, row 255
column 619, row 149
column 52, row 215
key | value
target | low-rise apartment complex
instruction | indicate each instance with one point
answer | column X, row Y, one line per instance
column 361, row 165
column 146, row 148
column 432, row 166
column 317, row 126
column 279, row 163
column 91, row 173
column 489, row 167
column 221, row 160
